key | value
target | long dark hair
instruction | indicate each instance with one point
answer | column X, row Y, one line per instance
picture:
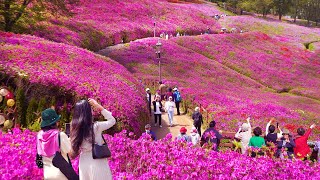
column 80, row 126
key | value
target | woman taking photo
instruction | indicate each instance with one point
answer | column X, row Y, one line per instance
column 81, row 139
column 48, row 144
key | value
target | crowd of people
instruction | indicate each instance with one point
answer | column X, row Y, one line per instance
column 285, row 144
column 86, row 137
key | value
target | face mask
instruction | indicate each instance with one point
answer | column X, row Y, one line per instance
column 147, row 131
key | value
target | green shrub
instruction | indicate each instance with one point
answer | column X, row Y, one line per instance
column 31, row 112
column 35, row 126
column 42, row 105
column 21, row 107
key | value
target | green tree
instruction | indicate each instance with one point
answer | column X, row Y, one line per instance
column 21, row 107
column 42, row 105
column 31, row 112
column 282, row 7
column 12, row 11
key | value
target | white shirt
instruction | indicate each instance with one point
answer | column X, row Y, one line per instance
column 169, row 106
column 195, row 138
column 157, row 108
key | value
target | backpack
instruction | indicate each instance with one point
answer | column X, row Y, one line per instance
column 178, row 96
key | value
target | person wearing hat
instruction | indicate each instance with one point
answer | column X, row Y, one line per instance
column 244, row 134
column 183, row 136
column 211, row 136
column 197, row 119
column 149, row 99
column 169, row 107
column 195, row 137
column 302, row 150
column 286, row 146
column 149, row 132
column 177, row 99
column 48, row 143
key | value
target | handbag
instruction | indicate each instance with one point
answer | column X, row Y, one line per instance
column 64, row 166
column 39, row 161
column 99, row 151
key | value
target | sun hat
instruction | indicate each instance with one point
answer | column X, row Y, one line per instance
column 183, row 130
column 175, row 89
column 285, row 131
column 196, row 109
column 49, row 117
column 147, row 89
column 245, row 127
column 147, row 126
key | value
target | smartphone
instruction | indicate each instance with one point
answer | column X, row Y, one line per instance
column 67, row 129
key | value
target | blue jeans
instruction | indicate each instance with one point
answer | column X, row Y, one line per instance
column 170, row 116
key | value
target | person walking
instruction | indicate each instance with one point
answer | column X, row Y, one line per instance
column 83, row 129
column 148, row 93
column 195, row 137
column 177, row 99
column 285, row 146
column 163, row 90
column 244, row 134
column 211, row 136
column 149, row 132
column 302, row 150
column 157, row 108
column 169, row 107
column 197, row 119
column 48, row 144
column 183, row 136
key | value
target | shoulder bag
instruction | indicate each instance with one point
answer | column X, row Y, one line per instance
column 65, row 167
column 99, row 151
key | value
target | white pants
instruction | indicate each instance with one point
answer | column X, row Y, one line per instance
column 170, row 116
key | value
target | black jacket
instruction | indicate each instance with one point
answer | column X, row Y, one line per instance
column 154, row 106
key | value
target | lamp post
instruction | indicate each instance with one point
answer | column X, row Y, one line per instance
column 158, row 51
column 154, row 26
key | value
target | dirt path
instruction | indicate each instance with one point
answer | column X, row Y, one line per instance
column 178, row 122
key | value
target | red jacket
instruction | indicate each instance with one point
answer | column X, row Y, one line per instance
column 302, row 149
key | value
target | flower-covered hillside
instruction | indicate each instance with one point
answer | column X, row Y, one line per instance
column 262, row 58
column 163, row 159
column 81, row 71
column 212, row 77
column 99, row 23
column 285, row 32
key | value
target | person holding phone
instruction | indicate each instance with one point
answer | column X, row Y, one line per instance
column 271, row 135
column 82, row 127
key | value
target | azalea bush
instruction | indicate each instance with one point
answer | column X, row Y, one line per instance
column 77, row 70
column 163, row 159
column 99, row 23
column 285, row 32
column 233, row 76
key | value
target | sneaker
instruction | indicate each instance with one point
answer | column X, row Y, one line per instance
column 160, row 126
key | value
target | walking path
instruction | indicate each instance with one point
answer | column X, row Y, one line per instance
column 178, row 122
